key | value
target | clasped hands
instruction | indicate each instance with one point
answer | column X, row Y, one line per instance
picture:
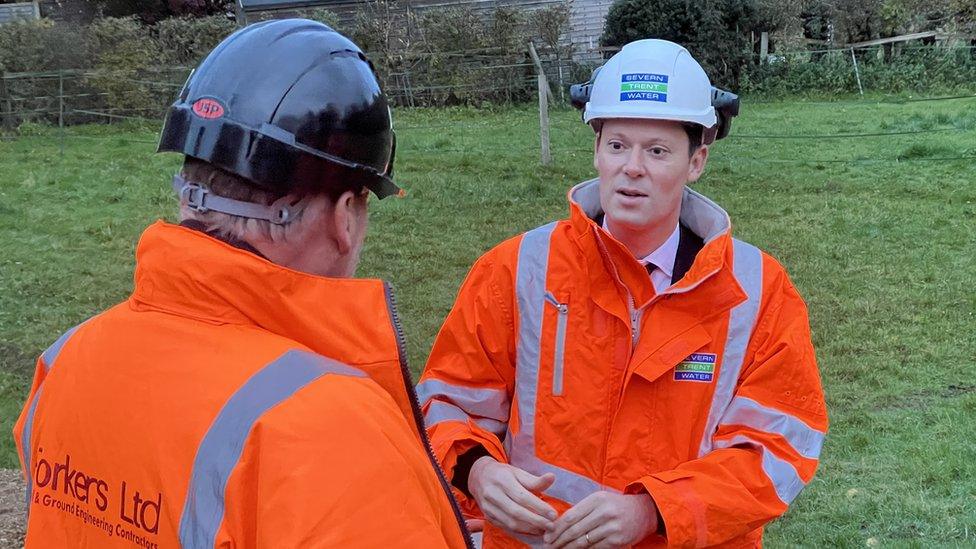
column 507, row 497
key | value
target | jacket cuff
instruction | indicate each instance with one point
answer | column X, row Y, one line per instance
column 462, row 468
column 451, row 441
column 681, row 514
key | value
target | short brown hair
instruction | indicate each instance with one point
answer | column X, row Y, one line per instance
column 694, row 132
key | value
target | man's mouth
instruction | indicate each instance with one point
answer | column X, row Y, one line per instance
column 630, row 192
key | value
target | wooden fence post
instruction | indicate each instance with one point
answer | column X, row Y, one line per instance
column 539, row 70
column 857, row 72
column 61, row 109
column 544, row 120
column 8, row 109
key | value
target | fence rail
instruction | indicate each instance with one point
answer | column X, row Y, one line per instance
column 474, row 77
column 70, row 97
column 34, row 96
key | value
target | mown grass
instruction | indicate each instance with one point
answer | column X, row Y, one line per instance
column 878, row 233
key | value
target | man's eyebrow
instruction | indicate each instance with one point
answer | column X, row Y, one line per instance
column 642, row 142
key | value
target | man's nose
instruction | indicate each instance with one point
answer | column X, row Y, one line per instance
column 634, row 167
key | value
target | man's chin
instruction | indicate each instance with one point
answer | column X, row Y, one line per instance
column 628, row 221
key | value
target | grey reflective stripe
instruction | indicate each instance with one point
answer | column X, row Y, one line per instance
column 569, row 486
column 489, row 403
column 781, row 473
column 221, row 447
column 747, row 266
column 440, row 411
column 52, row 352
column 803, row 438
column 530, row 287
column 25, row 443
column 48, row 357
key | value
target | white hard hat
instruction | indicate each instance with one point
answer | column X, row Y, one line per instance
column 653, row 79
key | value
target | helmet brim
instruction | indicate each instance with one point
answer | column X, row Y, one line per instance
column 704, row 117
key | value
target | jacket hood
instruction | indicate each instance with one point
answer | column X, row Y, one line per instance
column 701, row 215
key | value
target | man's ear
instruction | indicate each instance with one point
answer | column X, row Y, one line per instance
column 696, row 166
column 343, row 218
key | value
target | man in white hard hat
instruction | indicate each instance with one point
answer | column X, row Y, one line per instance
column 631, row 375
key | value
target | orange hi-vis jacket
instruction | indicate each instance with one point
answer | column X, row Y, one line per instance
column 559, row 357
column 231, row 402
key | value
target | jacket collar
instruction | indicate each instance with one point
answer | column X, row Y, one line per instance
column 709, row 286
column 699, row 214
column 191, row 274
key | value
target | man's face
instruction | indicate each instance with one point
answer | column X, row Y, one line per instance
column 643, row 166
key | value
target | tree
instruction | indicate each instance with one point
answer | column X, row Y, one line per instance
column 147, row 11
column 715, row 32
column 199, row 8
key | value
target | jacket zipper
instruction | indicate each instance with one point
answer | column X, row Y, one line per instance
column 560, row 345
column 418, row 416
column 635, row 318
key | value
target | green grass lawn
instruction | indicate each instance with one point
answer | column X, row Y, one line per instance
column 878, row 233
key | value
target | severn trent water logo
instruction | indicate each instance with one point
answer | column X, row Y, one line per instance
column 697, row 367
column 644, row 86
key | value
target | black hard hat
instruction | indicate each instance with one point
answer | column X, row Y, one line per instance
column 290, row 105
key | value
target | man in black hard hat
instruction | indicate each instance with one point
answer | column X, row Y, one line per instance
column 249, row 393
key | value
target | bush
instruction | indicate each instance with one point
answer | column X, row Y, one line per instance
column 550, row 24
column 323, row 15
column 929, row 70
column 386, row 32
column 474, row 58
column 716, row 33
column 41, row 45
column 445, row 56
column 186, row 40
column 450, row 30
column 507, row 29
column 123, row 53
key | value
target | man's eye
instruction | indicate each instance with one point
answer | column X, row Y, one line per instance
column 657, row 151
column 616, row 145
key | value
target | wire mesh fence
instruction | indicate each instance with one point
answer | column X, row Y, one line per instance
column 67, row 99
column 886, row 68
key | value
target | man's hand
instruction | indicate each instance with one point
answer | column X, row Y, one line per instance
column 505, row 495
column 605, row 519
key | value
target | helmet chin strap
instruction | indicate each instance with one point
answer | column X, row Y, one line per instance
column 200, row 199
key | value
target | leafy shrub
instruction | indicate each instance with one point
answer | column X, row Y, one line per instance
column 454, row 29
column 716, row 33
column 386, row 32
column 186, row 40
column 123, row 53
column 925, row 70
column 323, row 15
column 41, row 45
column 507, row 29
column 473, row 57
column 550, row 25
